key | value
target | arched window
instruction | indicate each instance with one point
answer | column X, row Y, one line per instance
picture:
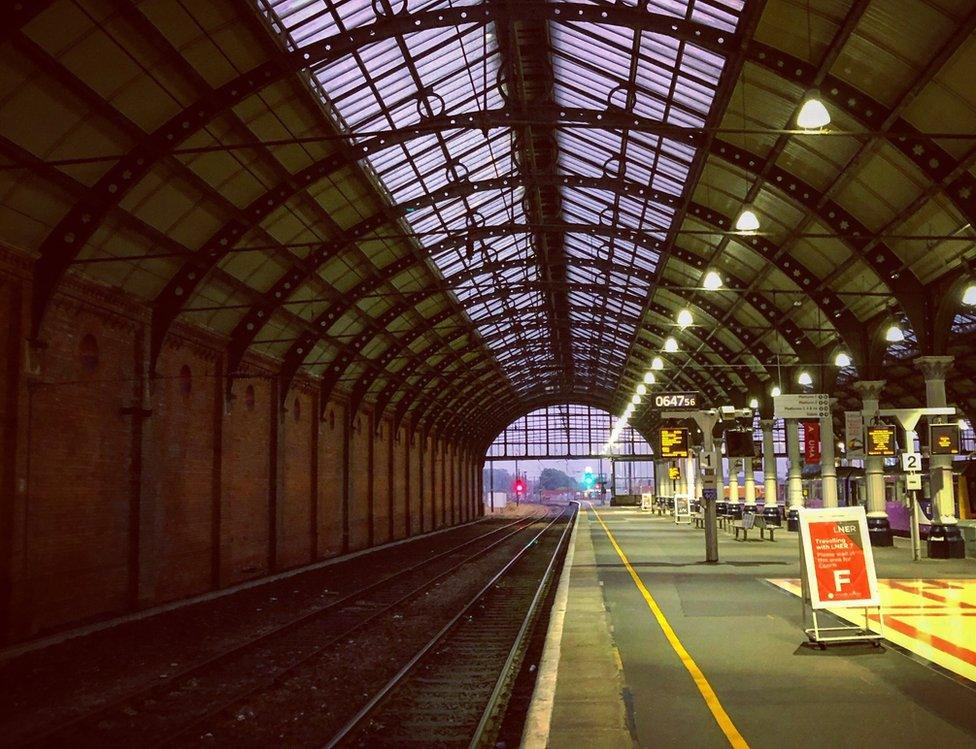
column 89, row 353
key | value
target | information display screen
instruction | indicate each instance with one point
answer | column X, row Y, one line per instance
column 943, row 439
column 673, row 473
column 880, row 441
column 674, row 442
column 739, row 443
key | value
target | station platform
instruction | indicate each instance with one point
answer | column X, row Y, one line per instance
column 650, row 646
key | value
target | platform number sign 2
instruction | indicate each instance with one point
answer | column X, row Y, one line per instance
column 911, row 462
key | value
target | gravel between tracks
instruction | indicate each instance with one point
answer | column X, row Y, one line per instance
column 46, row 687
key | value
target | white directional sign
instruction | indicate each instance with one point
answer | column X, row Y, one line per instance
column 913, row 482
column 911, row 462
column 801, row 406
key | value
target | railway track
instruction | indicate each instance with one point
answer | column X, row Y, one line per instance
column 171, row 709
column 454, row 691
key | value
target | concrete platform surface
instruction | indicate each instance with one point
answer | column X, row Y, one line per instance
column 657, row 648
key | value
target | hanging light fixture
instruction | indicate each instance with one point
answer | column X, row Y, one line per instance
column 636, row 399
column 969, row 295
column 894, row 334
column 649, row 378
column 657, row 363
column 804, row 379
column 641, row 389
column 813, row 115
column 753, row 403
column 747, row 221
column 842, row 359
column 685, row 319
column 713, row 281
column 776, row 392
column 670, row 345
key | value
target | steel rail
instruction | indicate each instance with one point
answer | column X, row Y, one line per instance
column 239, row 648
column 380, row 696
column 271, row 681
column 514, row 660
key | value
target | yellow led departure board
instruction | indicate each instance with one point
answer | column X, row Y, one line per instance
column 673, row 473
column 674, row 442
column 880, row 441
column 944, row 439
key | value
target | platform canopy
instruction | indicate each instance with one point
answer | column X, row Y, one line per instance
column 460, row 212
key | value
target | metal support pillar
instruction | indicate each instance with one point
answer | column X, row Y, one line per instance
column 945, row 540
column 794, row 480
column 771, row 513
column 750, row 487
column 613, row 479
column 878, row 526
column 733, row 484
column 706, row 421
column 828, row 470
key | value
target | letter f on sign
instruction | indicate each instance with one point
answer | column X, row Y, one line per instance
column 841, row 577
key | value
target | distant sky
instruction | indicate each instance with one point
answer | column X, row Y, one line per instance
column 533, row 467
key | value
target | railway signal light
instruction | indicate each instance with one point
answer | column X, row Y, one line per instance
column 519, row 486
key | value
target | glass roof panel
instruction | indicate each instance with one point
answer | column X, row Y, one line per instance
column 398, row 82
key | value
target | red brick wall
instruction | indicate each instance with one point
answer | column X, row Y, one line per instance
column 437, row 483
column 14, row 297
column 80, row 477
column 429, row 482
column 399, row 488
column 331, row 435
column 177, row 477
column 359, row 482
column 244, row 480
column 295, row 537
column 415, row 482
column 465, row 488
column 381, row 483
column 120, row 490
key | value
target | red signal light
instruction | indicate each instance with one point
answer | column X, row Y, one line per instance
column 519, row 487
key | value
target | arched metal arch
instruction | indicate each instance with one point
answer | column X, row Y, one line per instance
column 932, row 160
column 487, row 392
column 803, row 347
column 63, row 243
column 904, row 287
column 719, row 388
column 73, row 231
column 602, row 400
column 717, row 346
column 828, row 301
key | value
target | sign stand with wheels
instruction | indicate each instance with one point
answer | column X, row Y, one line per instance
column 837, row 571
column 682, row 509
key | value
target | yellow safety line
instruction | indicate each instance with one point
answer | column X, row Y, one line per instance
column 711, row 699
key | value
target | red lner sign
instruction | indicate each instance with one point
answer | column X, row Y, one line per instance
column 838, row 563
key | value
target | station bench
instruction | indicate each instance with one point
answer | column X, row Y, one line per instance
column 739, row 527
